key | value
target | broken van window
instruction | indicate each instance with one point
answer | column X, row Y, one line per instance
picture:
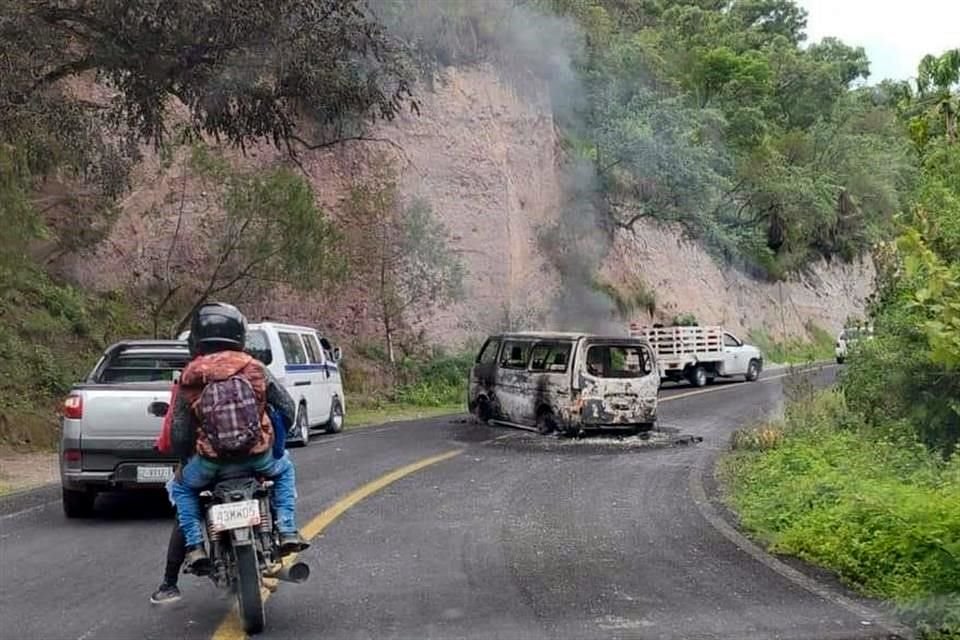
column 552, row 357
column 618, row 361
column 515, row 355
column 489, row 353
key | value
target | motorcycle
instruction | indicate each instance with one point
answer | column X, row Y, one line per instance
column 244, row 546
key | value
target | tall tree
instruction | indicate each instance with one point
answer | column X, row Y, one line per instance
column 244, row 69
column 405, row 251
column 936, row 79
column 270, row 233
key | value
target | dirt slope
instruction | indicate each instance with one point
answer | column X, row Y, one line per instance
column 487, row 160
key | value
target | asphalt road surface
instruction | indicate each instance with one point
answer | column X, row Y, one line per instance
column 512, row 536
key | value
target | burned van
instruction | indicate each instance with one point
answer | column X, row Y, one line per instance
column 567, row 382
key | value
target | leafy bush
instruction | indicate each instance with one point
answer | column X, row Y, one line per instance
column 876, row 507
column 685, row 320
column 437, row 381
column 891, row 379
column 50, row 336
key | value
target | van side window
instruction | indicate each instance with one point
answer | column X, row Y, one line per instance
column 258, row 346
column 550, row 357
column 292, row 348
column 489, row 353
column 313, row 348
column 515, row 355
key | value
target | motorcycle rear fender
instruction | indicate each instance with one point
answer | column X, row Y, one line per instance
column 240, row 537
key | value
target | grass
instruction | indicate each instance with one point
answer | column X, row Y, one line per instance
column 818, row 346
column 372, row 416
column 432, row 384
column 432, row 379
column 871, row 504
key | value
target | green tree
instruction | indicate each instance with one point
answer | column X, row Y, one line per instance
column 270, row 234
column 290, row 72
column 711, row 115
column 911, row 371
column 84, row 82
column 936, row 79
column 406, row 252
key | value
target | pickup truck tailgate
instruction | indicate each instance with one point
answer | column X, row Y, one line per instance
column 121, row 422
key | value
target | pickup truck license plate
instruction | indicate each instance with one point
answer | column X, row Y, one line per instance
column 158, row 475
column 235, row 515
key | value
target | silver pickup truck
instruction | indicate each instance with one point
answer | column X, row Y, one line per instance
column 111, row 421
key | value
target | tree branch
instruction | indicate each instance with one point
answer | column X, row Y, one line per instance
column 313, row 146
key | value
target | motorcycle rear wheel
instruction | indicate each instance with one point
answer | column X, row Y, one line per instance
column 249, row 597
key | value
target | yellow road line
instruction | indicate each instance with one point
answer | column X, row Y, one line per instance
column 733, row 386
column 232, row 628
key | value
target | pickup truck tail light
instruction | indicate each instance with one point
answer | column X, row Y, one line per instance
column 73, row 407
column 72, row 455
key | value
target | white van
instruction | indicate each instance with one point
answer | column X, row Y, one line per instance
column 307, row 365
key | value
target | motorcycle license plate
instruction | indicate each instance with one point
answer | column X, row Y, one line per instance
column 154, row 475
column 235, row 515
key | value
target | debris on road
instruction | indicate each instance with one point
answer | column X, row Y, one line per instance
column 656, row 439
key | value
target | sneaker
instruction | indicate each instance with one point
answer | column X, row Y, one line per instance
column 166, row 594
column 197, row 560
column 292, row 543
column 270, row 584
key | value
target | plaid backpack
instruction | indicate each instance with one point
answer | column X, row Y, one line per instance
column 229, row 416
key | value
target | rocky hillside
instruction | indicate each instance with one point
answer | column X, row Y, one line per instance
column 490, row 164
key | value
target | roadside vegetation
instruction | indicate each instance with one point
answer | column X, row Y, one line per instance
column 865, row 479
column 419, row 385
column 68, row 147
column 817, row 346
column 873, row 504
column 50, row 336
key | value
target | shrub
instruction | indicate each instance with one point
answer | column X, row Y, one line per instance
column 874, row 506
column 433, row 379
column 50, row 336
column 818, row 346
column 891, row 379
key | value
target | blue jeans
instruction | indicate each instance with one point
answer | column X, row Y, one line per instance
column 199, row 473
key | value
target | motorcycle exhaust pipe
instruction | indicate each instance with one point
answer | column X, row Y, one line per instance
column 297, row 573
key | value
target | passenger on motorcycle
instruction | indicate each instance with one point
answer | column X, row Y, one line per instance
column 220, row 421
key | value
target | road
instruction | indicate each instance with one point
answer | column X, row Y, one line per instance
column 512, row 536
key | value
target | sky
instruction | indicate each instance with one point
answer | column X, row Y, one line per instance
column 895, row 33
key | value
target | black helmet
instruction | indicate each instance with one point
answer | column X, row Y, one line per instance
column 217, row 326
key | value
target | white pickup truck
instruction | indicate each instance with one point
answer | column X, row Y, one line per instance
column 111, row 420
column 700, row 354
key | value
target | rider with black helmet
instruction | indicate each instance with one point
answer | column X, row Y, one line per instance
column 220, row 422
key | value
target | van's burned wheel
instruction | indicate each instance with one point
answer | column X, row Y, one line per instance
column 484, row 410
column 545, row 423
